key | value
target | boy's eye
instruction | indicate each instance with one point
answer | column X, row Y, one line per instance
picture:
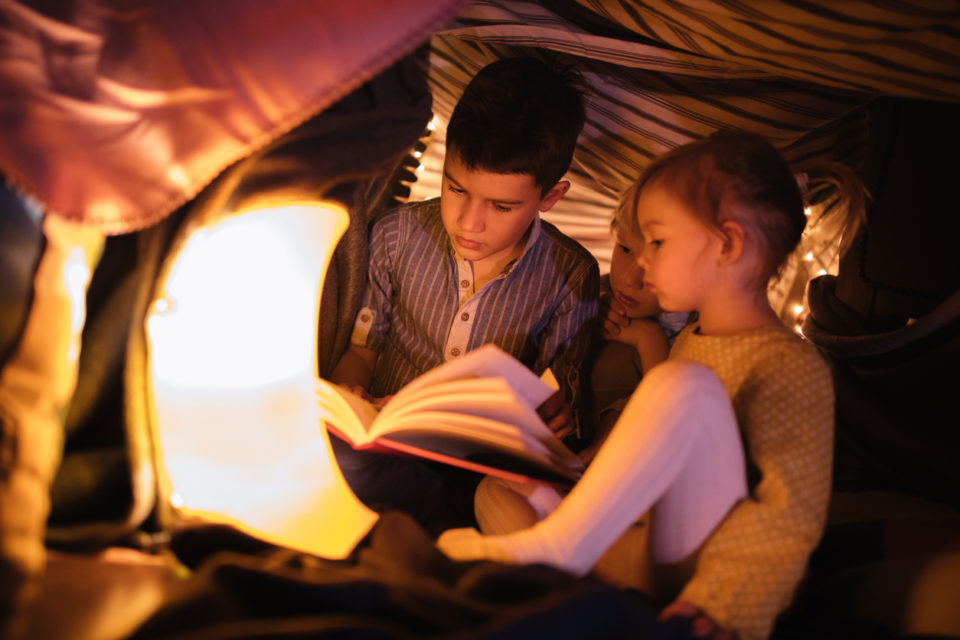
column 501, row 208
column 456, row 189
column 655, row 243
column 623, row 248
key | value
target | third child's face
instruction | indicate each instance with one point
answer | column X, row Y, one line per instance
column 626, row 276
column 681, row 256
column 486, row 214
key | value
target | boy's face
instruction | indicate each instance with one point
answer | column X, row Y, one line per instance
column 626, row 276
column 487, row 214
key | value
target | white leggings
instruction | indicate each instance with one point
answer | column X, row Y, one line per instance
column 675, row 450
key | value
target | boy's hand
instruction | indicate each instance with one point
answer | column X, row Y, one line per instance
column 606, row 423
column 703, row 626
column 642, row 333
column 381, row 402
column 614, row 316
column 557, row 415
column 358, row 390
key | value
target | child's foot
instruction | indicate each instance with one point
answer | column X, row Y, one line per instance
column 521, row 547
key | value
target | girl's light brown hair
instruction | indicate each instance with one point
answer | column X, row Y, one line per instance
column 739, row 176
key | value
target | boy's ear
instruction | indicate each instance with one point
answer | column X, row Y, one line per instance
column 733, row 242
column 553, row 196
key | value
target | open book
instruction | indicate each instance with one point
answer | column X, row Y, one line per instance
column 477, row 412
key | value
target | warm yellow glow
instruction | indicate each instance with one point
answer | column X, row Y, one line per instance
column 798, row 308
column 807, row 211
column 76, row 277
column 231, row 285
column 432, row 125
column 808, row 256
column 233, row 359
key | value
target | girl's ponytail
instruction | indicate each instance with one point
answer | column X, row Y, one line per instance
column 839, row 195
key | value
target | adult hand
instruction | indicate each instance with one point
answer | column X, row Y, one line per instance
column 557, row 415
column 703, row 626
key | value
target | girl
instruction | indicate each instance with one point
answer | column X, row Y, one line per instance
column 736, row 527
column 638, row 336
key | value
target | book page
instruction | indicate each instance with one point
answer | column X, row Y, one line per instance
column 350, row 414
column 466, row 437
column 486, row 397
column 486, row 362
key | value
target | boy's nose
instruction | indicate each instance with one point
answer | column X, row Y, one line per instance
column 643, row 260
column 471, row 217
column 635, row 272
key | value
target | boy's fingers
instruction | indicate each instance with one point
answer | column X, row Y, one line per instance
column 381, row 402
column 610, row 329
column 616, row 306
column 563, row 433
column 550, row 407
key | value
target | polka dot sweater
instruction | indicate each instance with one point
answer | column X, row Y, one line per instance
column 782, row 394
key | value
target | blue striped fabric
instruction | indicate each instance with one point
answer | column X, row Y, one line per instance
column 417, row 312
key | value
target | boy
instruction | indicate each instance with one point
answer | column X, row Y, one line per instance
column 477, row 265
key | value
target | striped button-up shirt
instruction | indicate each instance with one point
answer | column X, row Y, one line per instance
column 420, row 310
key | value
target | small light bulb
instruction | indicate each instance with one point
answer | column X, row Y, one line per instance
column 809, row 256
column 807, row 211
column 798, row 309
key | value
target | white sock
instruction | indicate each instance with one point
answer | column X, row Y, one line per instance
column 677, row 440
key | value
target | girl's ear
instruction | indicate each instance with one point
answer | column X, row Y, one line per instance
column 733, row 242
column 553, row 195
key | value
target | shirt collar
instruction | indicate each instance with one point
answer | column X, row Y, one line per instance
column 535, row 231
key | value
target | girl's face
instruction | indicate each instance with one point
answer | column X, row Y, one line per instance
column 626, row 276
column 681, row 255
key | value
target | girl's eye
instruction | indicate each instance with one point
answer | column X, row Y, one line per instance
column 623, row 248
column 655, row 243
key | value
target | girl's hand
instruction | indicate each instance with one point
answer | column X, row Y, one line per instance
column 703, row 626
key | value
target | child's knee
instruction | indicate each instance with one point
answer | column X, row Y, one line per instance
column 502, row 506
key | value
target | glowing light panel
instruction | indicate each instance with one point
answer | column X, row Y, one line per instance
column 233, row 347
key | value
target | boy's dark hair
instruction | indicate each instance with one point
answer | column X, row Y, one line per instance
column 519, row 115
